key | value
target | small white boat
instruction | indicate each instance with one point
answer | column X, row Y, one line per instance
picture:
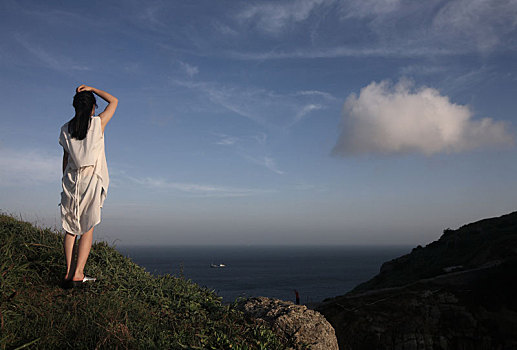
column 217, row 265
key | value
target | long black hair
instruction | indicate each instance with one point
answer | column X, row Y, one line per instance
column 83, row 104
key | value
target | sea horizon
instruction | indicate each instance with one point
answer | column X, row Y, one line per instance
column 317, row 272
column 266, row 245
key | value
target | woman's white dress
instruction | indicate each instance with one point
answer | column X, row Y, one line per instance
column 85, row 180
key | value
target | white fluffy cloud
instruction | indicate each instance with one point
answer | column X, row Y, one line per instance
column 386, row 119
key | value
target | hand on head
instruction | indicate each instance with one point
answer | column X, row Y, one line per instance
column 83, row 88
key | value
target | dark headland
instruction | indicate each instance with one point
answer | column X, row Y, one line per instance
column 459, row 292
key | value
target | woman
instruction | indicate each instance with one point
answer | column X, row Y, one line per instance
column 85, row 177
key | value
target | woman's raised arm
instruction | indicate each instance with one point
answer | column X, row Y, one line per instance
column 110, row 108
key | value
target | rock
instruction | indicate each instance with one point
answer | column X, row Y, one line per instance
column 298, row 326
column 412, row 319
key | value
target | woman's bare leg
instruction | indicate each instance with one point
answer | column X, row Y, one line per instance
column 85, row 244
column 68, row 245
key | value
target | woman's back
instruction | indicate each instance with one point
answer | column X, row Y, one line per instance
column 86, row 151
column 85, row 177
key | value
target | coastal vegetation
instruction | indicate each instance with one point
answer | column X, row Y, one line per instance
column 126, row 307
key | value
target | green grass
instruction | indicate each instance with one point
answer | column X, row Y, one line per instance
column 126, row 308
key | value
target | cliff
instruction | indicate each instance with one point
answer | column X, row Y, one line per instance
column 455, row 293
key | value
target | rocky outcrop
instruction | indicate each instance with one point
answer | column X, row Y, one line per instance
column 297, row 326
column 456, row 293
column 478, row 315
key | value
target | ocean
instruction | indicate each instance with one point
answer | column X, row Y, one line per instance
column 316, row 272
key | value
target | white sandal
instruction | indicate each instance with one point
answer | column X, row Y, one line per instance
column 85, row 279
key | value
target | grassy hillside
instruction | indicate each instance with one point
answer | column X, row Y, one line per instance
column 126, row 308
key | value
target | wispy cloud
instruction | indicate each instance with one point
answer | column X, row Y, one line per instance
column 380, row 50
column 271, row 165
column 367, row 8
column 224, row 29
column 301, row 185
column 466, row 80
column 264, row 161
column 28, row 167
column 387, row 119
column 241, row 146
column 261, row 138
column 453, row 79
column 304, row 111
column 460, row 26
column 50, row 60
column 148, row 14
column 422, row 69
column 199, row 190
column 326, row 95
column 266, row 107
column 189, row 69
column 387, row 28
column 272, row 17
column 226, row 140
column 486, row 24
column 231, row 98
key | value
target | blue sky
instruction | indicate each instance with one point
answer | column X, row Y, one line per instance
column 268, row 122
